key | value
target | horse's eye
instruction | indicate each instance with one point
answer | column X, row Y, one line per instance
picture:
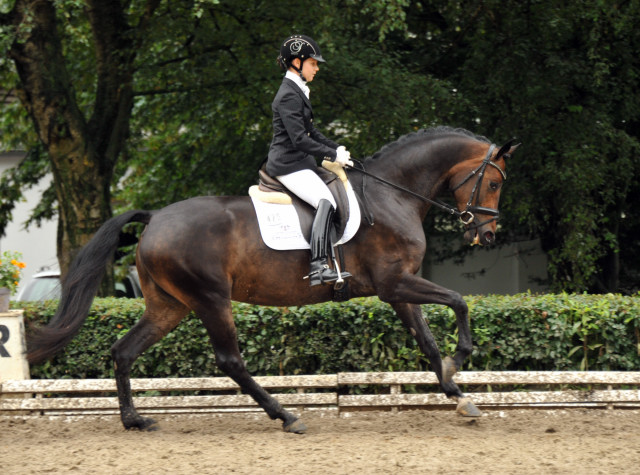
column 494, row 186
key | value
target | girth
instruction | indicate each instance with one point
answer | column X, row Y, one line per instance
column 305, row 211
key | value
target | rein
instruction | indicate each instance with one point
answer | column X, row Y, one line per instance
column 467, row 216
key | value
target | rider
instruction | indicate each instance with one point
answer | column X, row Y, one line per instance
column 295, row 144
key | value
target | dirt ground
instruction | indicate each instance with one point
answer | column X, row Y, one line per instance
column 586, row 441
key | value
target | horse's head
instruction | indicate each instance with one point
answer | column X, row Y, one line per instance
column 476, row 184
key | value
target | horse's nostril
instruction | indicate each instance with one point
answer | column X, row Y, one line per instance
column 489, row 237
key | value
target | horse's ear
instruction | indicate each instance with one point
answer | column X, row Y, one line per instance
column 507, row 149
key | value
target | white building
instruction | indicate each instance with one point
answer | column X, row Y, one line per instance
column 507, row 270
column 37, row 244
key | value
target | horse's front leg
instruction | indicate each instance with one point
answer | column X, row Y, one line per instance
column 411, row 316
column 406, row 298
column 416, row 290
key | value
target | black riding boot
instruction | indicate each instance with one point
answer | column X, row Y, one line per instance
column 320, row 272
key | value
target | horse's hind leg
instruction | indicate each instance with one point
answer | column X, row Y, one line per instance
column 218, row 320
column 150, row 329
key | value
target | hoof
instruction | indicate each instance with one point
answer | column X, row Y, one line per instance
column 448, row 369
column 467, row 409
column 296, row 427
column 143, row 424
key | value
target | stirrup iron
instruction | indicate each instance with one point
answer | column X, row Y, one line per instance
column 340, row 282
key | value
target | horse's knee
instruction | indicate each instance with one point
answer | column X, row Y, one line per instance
column 461, row 309
column 230, row 364
column 464, row 348
column 458, row 304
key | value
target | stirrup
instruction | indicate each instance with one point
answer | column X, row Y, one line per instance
column 341, row 275
column 324, row 275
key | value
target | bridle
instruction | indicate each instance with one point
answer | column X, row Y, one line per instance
column 467, row 216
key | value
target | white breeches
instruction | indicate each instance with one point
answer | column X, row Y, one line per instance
column 307, row 186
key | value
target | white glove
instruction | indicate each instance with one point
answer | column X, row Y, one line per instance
column 343, row 156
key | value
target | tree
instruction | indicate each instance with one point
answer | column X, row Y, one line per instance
column 563, row 78
column 172, row 99
column 80, row 109
column 150, row 102
column 209, row 136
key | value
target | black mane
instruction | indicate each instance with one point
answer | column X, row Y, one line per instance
column 426, row 133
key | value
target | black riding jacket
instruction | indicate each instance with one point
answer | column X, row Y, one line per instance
column 295, row 140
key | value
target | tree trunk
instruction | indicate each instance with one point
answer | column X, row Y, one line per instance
column 83, row 152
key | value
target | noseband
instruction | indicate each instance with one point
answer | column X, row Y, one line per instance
column 467, row 216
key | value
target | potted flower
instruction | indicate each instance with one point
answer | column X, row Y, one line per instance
column 10, row 268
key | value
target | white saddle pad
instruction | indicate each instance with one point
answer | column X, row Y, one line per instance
column 280, row 226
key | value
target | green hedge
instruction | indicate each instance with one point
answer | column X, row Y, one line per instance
column 521, row 332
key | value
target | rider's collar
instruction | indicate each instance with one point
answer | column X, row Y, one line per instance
column 299, row 82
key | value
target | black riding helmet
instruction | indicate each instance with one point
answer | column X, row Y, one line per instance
column 298, row 46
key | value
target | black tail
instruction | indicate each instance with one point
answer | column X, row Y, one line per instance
column 80, row 287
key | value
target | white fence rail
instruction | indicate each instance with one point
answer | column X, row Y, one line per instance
column 399, row 390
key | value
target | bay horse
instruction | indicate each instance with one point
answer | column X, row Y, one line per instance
column 204, row 252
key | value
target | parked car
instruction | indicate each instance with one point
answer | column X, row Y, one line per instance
column 45, row 285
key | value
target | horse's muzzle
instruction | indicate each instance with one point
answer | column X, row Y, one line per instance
column 480, row 237
column 479, row 231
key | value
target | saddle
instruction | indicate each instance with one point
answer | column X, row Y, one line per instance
column 270, row 190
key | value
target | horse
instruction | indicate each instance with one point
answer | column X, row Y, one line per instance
column 201, row 253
